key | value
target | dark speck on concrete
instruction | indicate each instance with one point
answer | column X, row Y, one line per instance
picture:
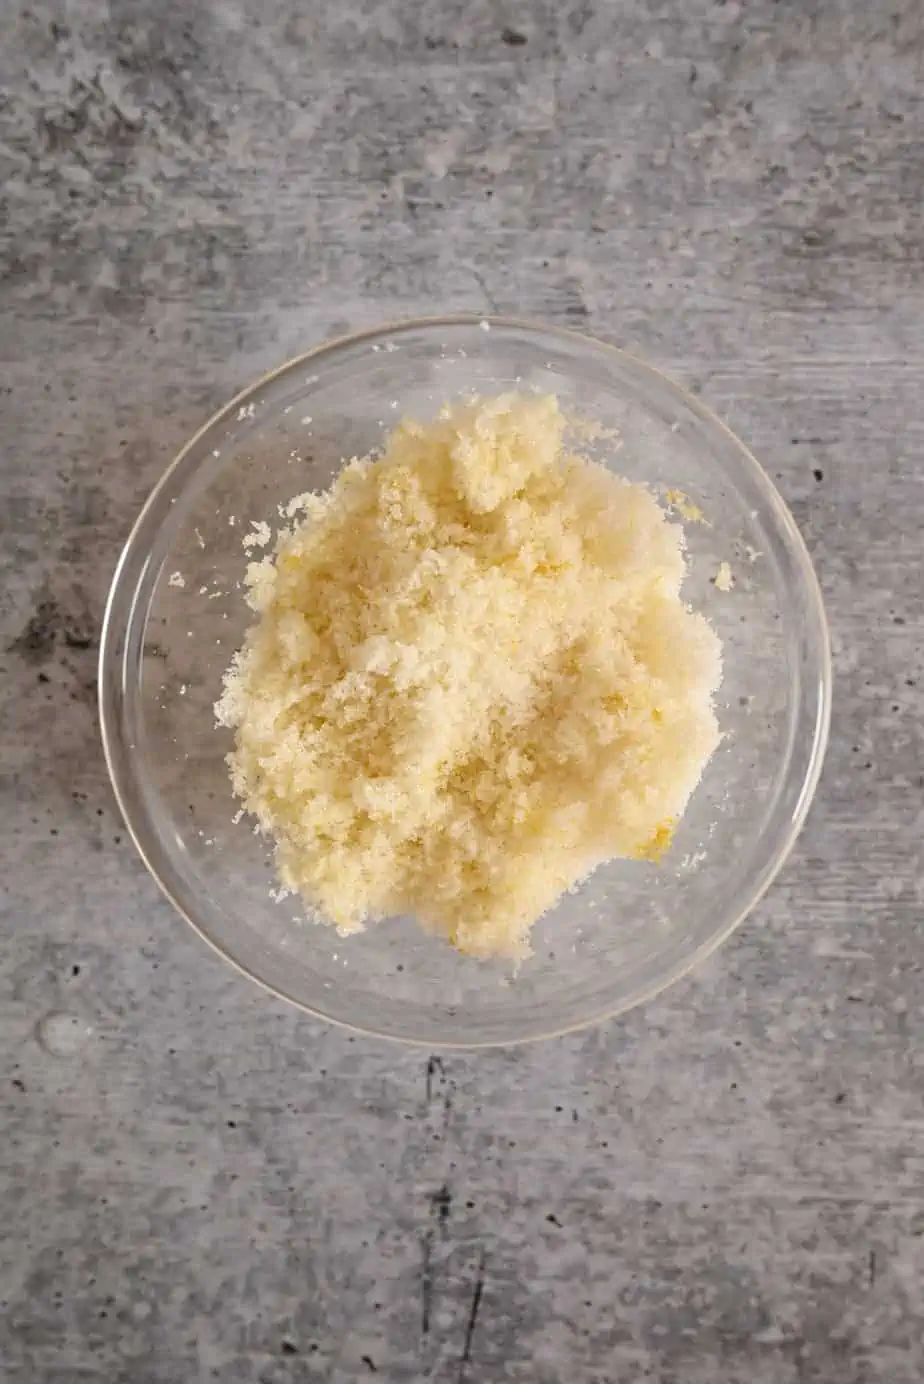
column 442, row 1204
column 36, row 641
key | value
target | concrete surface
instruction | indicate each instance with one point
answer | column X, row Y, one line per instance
column 198, row 1184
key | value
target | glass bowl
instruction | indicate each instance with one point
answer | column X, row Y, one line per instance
column 176, row 614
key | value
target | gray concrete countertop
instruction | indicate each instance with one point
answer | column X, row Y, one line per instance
column 199, row 1184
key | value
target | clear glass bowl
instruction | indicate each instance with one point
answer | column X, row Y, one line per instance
column 176, row 615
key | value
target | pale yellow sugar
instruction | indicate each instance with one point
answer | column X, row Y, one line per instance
column 472, row 678
column 724, row 579
column 685, row 507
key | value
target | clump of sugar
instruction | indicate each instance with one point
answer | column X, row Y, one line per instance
column 724, row 577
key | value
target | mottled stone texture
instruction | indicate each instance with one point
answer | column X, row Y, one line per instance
column 726, row 1188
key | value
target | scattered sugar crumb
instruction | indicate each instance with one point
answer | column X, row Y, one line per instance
column 182, row 689
column 305, row 501
column 246, row 411
column 590, row 430
column 724, row 578
column 485, row 326
column 693, row 860
column 677, row 500
column 237, row 816
column 306, row 420
column 745, row 551
column 199, row 539
column 232, row 520
column 390, row 346
column 260, row 535
column 176, row 579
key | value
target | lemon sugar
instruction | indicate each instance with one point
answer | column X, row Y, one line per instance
column 470, row 679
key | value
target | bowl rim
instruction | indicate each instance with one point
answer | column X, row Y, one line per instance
column 812, row 593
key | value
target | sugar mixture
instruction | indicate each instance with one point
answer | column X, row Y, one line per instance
column 471, row 678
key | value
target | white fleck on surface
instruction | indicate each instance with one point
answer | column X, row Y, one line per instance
column 693, row 860
column 442, row 152
column 176, row 579
column 259, row 537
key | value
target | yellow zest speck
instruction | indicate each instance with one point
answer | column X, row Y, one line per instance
column 655, row 848
column 677, row 500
